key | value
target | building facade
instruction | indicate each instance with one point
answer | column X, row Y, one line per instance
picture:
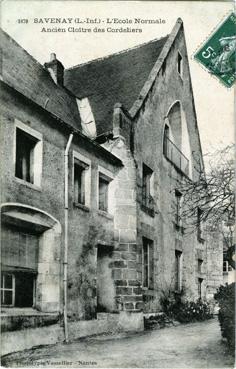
column 91, row 209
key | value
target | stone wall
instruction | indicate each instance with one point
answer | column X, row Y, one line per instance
column 124, row 267
column 88, row 227
column 108, row 323
column 214, row 252
column 168, row 88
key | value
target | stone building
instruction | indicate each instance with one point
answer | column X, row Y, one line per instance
column 91, row 211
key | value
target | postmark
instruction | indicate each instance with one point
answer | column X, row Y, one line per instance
column 218, row 53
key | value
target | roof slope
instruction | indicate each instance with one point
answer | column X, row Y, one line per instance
column 116, row 78
column 22, row 72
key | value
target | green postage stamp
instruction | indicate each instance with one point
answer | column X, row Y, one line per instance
column 218, row 54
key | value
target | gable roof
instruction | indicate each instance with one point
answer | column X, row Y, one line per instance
column 27, row 76
column 117, row 78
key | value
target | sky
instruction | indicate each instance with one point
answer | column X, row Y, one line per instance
column 214, row 102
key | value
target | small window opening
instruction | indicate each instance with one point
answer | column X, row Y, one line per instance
column 200, row 280
column 79, row 182
column 166, row 141
column 180, row 65
column 199, row 223
column 147, row 199
column 178, row 207
column 103, row 193
column 199, row 265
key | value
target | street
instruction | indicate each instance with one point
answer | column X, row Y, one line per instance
column 195, row 345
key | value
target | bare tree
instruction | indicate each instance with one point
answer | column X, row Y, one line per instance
column 211, row 197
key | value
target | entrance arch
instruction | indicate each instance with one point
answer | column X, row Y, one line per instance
column 31, row 245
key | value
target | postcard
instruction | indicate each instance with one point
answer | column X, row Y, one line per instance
column 117, row 177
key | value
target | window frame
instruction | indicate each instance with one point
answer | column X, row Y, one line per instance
column 199, row 225
column 8, row 289
column 178, row 271
column 180, row 64
column 146, row 242
column 108, row 176
column 200, row 281
column 199, row 265
column 83, row 162
column 147, row 190
column 178, row 208
column 166, row 139
column 37, row 154
column 13, row 289
column 226, row 266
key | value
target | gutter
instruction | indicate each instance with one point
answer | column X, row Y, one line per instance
column 65, row 261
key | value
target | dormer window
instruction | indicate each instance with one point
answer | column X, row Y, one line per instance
column 87, row 118
column 180, row 64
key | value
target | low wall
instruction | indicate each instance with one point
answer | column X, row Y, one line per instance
column 19, row 322
column 30, row 337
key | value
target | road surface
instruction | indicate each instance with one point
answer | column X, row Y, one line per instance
column 195, row 345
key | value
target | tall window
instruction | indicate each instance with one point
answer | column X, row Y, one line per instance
column 79, row 182
column 199, row 223
column 166, row 141
column 178, row 270
column 178, row 208
column 148, row 263
column 103, row 192
column 25, row 145
column 180, row 64
column 147, row 199
column 28, row 154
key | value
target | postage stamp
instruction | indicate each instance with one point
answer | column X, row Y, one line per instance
column 218, row 53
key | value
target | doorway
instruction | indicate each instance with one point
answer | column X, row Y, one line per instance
column 105, row 283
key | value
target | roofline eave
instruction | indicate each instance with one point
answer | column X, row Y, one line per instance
column 111, row 157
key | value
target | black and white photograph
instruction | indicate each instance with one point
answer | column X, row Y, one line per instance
column 117, row 184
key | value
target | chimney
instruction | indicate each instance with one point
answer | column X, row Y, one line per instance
column 56, row 69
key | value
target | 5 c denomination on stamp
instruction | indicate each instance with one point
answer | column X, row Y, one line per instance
column 218, row 54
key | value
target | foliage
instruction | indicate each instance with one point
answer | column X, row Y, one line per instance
column 159, row 321
column 225, row 296
column 150, row 305
column 185, row 311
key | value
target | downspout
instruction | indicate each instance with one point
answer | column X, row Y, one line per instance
column 65, row 261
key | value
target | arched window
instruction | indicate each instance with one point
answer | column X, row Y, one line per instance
column 176, row 146
column 175, row 122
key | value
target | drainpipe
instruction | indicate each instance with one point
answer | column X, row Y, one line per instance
column 65, row 261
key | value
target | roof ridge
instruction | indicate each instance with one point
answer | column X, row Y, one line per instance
column 21, row 47
column 41, row 66
column 116, row 53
